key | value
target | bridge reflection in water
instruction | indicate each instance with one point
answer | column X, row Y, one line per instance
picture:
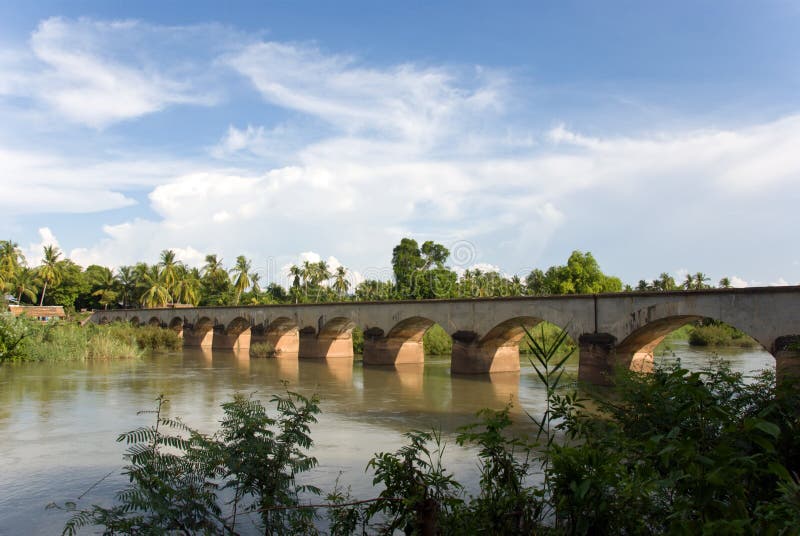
column 612, row 330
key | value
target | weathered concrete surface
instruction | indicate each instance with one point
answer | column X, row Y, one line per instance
column 613, row 329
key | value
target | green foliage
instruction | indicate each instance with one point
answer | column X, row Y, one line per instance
column 712, row 333
column 418, row 494
column 262, row 349
column 358, row 340
column 436, row 341
column 581, row 275
column 681, row 452
column 178, row 476
column 12, row 338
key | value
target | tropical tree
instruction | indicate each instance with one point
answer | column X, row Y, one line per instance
column 321, row 273
column 307, row 272
column 25, row 283
column 700, row 280
column 156, row 293
column 187, row 286
column 296, row 273
column 11, row 259
column 725, row 282
column 340, row 282
column 105, row 285
column 241, row 271
column 50, row 271
column 126, row 281
column 170, row 268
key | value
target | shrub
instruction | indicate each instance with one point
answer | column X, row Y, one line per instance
column 262, row 349
column 358, row 340
column 718, row 334
column 436, row 341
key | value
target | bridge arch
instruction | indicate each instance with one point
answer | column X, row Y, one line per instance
column 334, row 339
column 402, row 344
column 636, row 351
column 176, row 324
column 283, row 334
column 135, row 321
column 154, row 321
column 201, row 333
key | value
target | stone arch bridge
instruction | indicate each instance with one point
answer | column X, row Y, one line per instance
column 612, row 330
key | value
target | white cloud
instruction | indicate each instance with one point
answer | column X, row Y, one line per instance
column 97, row 73
column 405, row 101
column 34, row 252
column 738, row 282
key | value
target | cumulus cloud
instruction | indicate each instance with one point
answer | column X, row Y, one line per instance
column 34, row 252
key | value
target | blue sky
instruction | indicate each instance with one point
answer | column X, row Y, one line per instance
column 659, row 136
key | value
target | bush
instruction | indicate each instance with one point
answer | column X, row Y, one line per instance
column 358, row 340
column 711, row 333
column 436, row 341
column 262, row 349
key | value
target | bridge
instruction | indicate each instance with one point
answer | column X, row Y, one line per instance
column 612, row 330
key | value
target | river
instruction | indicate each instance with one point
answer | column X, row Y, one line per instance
column 59, row 421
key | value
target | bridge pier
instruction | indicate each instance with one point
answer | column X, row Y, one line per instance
column 597, row 358
column 227, row 340
column 325, row 346
column 198, row 338
column 472, row 357
column 787, row 358
column 392, row 351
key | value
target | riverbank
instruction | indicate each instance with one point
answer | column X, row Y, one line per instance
column 22, row 339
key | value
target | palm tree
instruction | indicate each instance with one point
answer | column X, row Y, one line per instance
column 187, row 287
column 50, row 270
column 700, row 280
column 25, row 283
column 169, row 268
column 725, row 282
column 126, row 279
column 297, row 273
column 156, row 293
column 11, row 259
column 688, row 283
column 321, row 274
column 340, row 283
column 213, row 266
column 255, row 286
column 107, row 289
column 307, row 272
column 242, row 273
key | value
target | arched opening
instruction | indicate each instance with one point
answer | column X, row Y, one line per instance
column 135, row 321
column 407, row 342
column 200, row 334
column 499, row 349
column 234, row 336
column 695, row 341
column 334, row 340
column 155, row 322
column 283, row 337
column 176, row 324
column 104, row 320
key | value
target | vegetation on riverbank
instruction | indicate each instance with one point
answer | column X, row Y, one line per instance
column 670, row 452
column 22, row 339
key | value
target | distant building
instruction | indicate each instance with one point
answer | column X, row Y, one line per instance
column 43, row 313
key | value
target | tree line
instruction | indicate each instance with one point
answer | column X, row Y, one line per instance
column 420, row 272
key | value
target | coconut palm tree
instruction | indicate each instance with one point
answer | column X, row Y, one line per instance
column 321, row 274
column 700, row 280
column 340, row 282
column 187, row 287
column 242, row 272
column 296, row 273
column 725, row 282
column 11, row 259
column 50, row 270
column 107, row 288
column 213, row 266
column 126, row 281
column 156, row 293
column 307, row 272
column 169, row 268
column 25, row 283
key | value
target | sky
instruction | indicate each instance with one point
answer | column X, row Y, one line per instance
column 659, row 136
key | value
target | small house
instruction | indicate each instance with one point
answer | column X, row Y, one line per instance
column 43, row 313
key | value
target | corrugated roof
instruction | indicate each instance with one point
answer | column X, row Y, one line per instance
column 36, row 311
